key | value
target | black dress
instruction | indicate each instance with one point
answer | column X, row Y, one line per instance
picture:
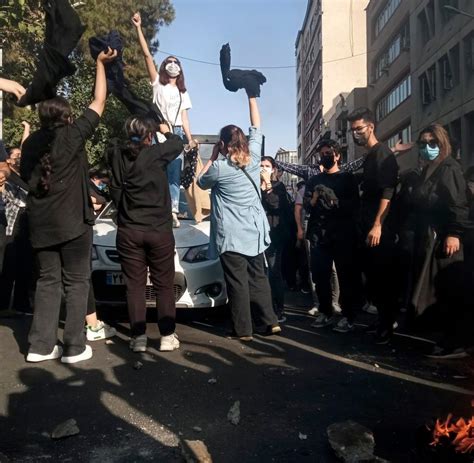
column 441, row 210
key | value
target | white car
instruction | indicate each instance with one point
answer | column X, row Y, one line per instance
column 198, row 282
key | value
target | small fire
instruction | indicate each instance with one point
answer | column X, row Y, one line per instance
column 459, row 433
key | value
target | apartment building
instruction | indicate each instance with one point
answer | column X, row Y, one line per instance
column 330, row 60
column 420, row 69
column 389, row 90
column 442, row 62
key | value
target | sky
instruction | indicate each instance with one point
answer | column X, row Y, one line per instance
column 260, row 33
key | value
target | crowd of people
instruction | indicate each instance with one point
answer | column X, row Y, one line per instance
column 365, row 235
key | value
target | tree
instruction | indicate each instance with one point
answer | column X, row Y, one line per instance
column 22, row 32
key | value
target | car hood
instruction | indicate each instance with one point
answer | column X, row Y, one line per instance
column 189, row 234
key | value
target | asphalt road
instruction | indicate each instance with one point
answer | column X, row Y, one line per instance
column 290, row 388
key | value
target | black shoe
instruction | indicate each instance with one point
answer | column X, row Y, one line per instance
column 446, row 353
column 372, row 328
column 383, row 337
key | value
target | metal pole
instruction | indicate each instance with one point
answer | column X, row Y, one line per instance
column 455, row 10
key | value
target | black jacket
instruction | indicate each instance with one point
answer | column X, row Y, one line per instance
column 139, row 186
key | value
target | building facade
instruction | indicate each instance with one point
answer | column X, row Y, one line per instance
column 330, row 60
column 290, row 156
column 420, row 69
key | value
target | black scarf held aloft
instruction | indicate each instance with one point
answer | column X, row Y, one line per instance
column 63, row 31
column 116, row 82
column 236, row 79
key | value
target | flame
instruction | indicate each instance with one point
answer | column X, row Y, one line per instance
column 461, row 433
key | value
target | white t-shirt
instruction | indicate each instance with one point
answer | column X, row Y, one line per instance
column 167, row 99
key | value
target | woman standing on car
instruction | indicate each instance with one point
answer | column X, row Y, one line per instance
column 145, row 238
column 170, row 95
column 239, row 227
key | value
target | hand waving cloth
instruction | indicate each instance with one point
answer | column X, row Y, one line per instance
column 63, row 31
column 236, row 79
column 116, row 82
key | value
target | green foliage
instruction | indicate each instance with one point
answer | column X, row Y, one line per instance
column 22, row 32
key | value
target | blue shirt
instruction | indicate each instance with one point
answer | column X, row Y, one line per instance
column 238, row 220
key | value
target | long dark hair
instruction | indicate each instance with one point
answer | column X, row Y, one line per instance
column 236, row 143
column 53, row 113
column 137, row 130
column 165, row 78
column 442, row 139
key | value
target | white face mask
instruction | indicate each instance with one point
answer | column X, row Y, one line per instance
column 267, row 169
column 173, row 69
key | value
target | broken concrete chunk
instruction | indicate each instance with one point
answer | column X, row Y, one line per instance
column 234, row 413
column 195, row 451
column 212, row 381
column 137, row 365
column 197, row 428
column 302, row 436
column 351, row 441
column 66, row 429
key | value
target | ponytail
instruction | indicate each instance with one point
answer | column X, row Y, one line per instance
column 137, row 130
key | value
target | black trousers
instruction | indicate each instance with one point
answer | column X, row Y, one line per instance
column 273, row 255
column 64, row 265
column 155, row 250
column 17, row 276
column 248, row 289
column 382, row 271
column 344, row 255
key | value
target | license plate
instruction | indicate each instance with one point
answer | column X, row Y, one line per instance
column 116, row 279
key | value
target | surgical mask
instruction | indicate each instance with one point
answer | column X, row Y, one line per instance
column 429, row 153
column 173, row 69
column 102, row 186
column 269, row 170
column 328, row 161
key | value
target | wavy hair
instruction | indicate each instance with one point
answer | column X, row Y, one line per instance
column 237, row 145
column 441, row 136
column 137, row 130
column 165, row 78
column 53, row 113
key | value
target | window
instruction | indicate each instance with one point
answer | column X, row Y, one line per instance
column 392, row 52
column 385, row 15
column 469, row 53
column 299, row 129
column 428, row 86
column 426, row 22
column 393, row 99
column 404, row 135
column 446, row 73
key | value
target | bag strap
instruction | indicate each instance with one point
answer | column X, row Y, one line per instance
column 179, row 108
column 251, row 181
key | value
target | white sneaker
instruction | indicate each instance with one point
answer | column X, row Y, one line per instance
column 86, row 355
column 313, row 311
column 55, row 354
column 369, row 308
column 169, row 343
column 176, row 222
column 100, row 331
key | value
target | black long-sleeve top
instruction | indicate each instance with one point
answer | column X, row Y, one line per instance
column 440, row 200
column 279, row 213
column 139, row 186
column 332, row 220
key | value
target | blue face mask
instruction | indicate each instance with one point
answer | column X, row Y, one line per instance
column 428, row 153
column 101, row 186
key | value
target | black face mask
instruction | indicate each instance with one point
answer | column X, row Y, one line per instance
column 328, row 161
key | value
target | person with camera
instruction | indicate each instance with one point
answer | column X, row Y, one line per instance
column 332, row 198
column 239, row 226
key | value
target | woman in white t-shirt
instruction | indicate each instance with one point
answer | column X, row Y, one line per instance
column 169, row 93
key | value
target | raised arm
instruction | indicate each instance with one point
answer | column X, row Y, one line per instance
column 10, row 86
column 150, row 64
column 254, row 112
column 100, row 92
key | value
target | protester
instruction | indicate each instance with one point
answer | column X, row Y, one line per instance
column 239, row 227
column 98, row 182
column 169, row 93
column 145, row 236
column 17, row 278
column 333, row 200
column 379, row 180
column 279, row 214
column 441, row 221
column 54, row 164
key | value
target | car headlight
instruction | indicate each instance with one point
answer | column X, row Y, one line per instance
column 94, row 255
column 196, row 254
